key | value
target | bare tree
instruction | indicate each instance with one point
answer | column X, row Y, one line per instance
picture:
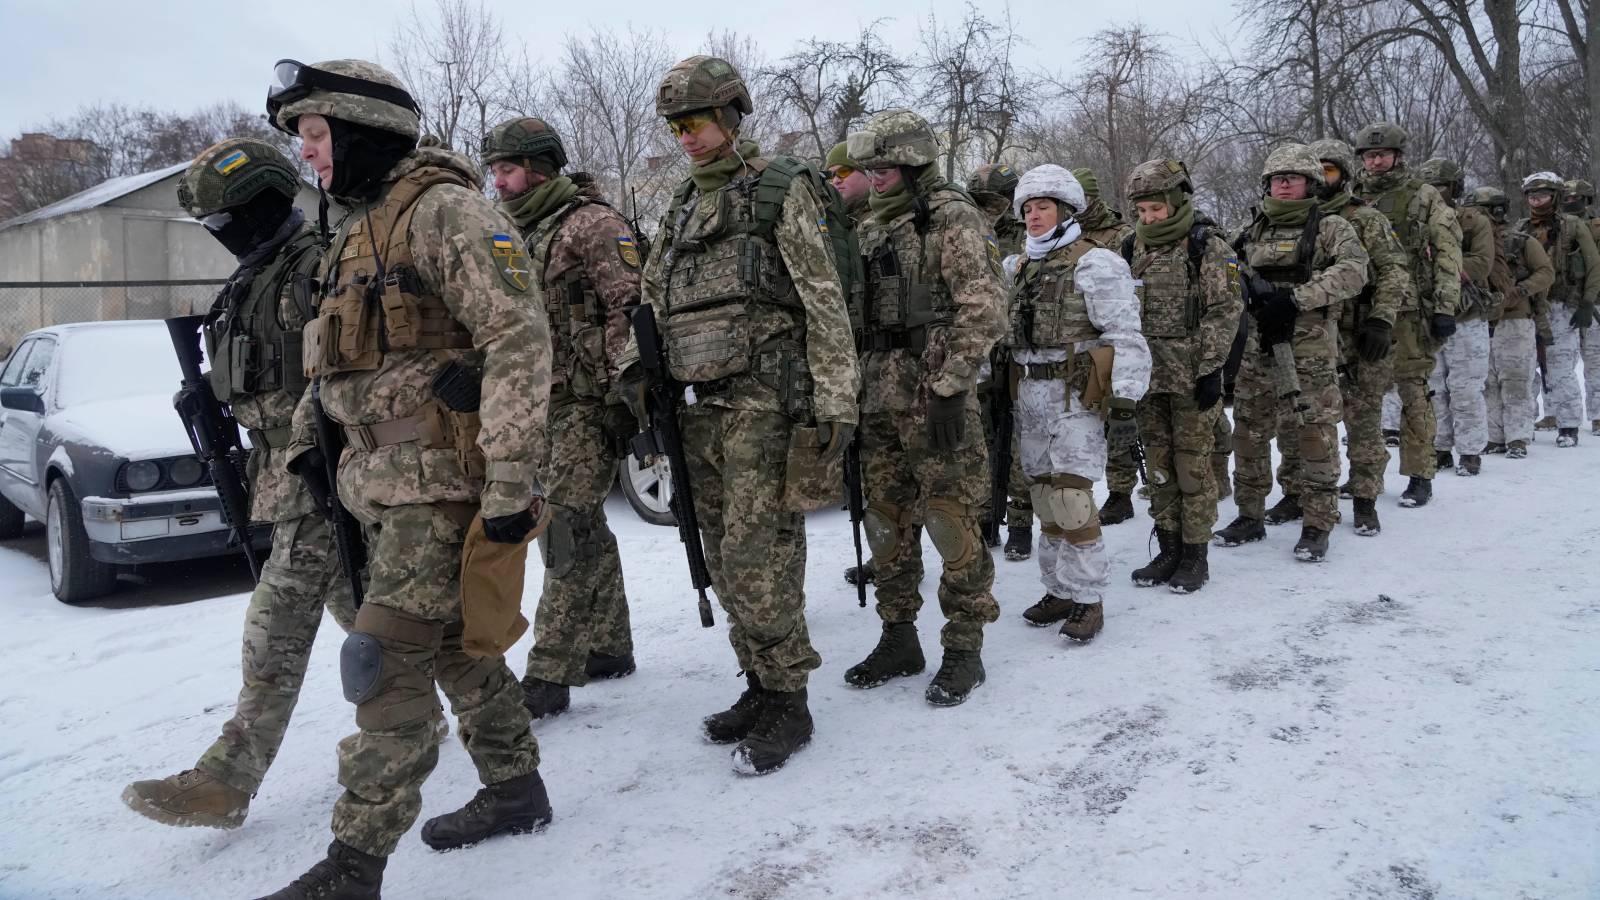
column 830, row 86
column 461, row 72
column 956, row 69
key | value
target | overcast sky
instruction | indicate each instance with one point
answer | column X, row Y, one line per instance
column 182, row 54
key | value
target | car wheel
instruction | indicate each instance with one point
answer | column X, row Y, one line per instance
column 75, row 576
column 648, row 489
column 11, row 519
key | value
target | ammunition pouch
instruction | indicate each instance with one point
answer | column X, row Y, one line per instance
column 810, row 481
column 897, row 303
column 434, row 428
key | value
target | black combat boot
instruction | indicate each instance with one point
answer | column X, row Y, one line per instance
column 1391, row 437
column 1158, row 570
column 1285, row 510
column 1049, row 610
column 959, row 673
column 1242, row 530
column 604, row 665
column 782, row 727
column 1083, row 622
column 1443, row 459
column 1567, row 437
column 1493, row 447
column 1367, row 517
column 899, row 652
column 514, row 806
column 1344, row 491
column 545, row 698
column 1418, row 492
column 1118, row 508
column 1313, row 544
column 347, row 874
column 1193, row 570
column 1470, row 465
column 860, row 574
column 1019, row 542
column 733, row 723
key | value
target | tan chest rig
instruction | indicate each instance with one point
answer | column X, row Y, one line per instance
column 573, row 306
column 1561, row 243
column 1169, row 293
column 902, row 298
column 1048, row 312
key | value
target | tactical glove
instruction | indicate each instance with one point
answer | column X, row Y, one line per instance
column 1208, row 390
column 312, row 467
column 509, row 529
column 1374, row 340
column 630, row 387
column 1583, row 316
column 619, row 423
column 833, row 436
column 1122, row 431
column 947, row 420
column 1276, row 317
column 1441, row 326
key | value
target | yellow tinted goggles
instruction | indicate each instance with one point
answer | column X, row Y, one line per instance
column 1332, row 173
column 840, row 173
column 688, row 124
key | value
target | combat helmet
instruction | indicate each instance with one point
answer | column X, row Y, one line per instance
column 230, row 173
column 1489, row 198
column 524, row 140
column 1542, row 181
column 1293, row 159
column 702, row 83
column 997, row 179
column 1577, row 194
column 1381, row 136
column 1050, row 181
column 1333, row 150
column 1163, row 179
column 894, row 137
column 1440, row 171
column 352, row 90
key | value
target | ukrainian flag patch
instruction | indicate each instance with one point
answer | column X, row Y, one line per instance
column 511, row 261
column 822, row 224
column 628, row 251
column 232, row 161
column 994, row 248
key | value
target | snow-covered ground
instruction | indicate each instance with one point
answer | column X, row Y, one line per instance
column 1419, row 717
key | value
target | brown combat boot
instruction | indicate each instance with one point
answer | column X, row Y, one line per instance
column 1548, row 423
column 1517, row 450
column 1470, row 465
column 190, row 798
column 1049, row 610
column 1083, row 622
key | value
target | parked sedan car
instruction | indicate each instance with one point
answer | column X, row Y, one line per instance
column 91, row 447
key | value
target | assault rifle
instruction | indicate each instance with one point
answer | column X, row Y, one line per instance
column 853, row 497
column 1000, row 448
column 348, row 540
column 214, row 435
column 1278, row 346
column 663, row 396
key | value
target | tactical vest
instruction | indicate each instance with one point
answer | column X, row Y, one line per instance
column 1565, row 256
column 1169, row 295
column 251, row 348
column 571, row 303
column 373, row 300
column 1046, row 310
column 1413, row 235
column 902, row 298
column 1284, row 254
column 1510, row 269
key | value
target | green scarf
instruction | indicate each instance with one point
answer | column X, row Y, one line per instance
column 896, row 201
column 1334, row 206
column 1288, row 212
column 715, row 175
column 1388, row 181
column 543, row 200
column 1169, row 230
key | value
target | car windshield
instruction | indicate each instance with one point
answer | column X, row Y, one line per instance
column 109, row 363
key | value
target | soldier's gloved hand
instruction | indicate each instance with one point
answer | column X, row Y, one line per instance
column 509, row 529
column 1122, row 430
column 1441, row 326
column 947, row 420
column 1542, row 338
column 619, row 423
column 1276, row 316
column 1208, row 390
column 1374, row 340
column 312, row 467
column 833, row 436
column 630, row 387
column 1583, row 316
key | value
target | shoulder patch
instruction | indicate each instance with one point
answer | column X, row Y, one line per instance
column 994, row 247
column 628, row 251
column 822, row 224
column 510, row 260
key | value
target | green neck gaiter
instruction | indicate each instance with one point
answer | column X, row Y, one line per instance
column 715, row 175
column 1287, row 212
column 896, row 201
column 1169, row 230
column 543, row 200
column 1388, row 181
column 1334, row 206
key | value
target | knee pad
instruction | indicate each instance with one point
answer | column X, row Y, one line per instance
column 383, row 668
column 1064, row 504
column 953, row 530
column 884, row 524
column 559, row 546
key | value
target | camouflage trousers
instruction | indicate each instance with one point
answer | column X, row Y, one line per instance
column 1457, row 383
column 1563, row 399
column 1508, row 394
column 1365, row 386
column 300, row 578
column 1589, row 345
column 1221, row 450
column 1122, row 473
column 1178, row 438
column 755, row 549
column 413, row 610
column 1413, row 354
column 1311, row 429
column 583, row 606
column 909, row 484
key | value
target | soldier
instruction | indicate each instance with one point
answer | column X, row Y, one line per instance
column 931, row 313
column 1190, row 306
column 1303, row 265
column 748, row 294
column 1519, row 324
column 1080, row 366
column 1427, row 229
column 243, row 191
column 1366, row 335
column 1577, row 201
column 848, row 179
column 1571, row 248
column 1462, row 368
column 584, row 256
column 442, row 401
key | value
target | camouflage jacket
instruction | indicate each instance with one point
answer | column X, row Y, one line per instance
column 1010, row 233
column 1389, row 288
column 1571, row 248
column 1523, row 274
column 1338, row 261
column 1104, row 225
column 1429, row 235
column 1189, row 318
column 464, row 255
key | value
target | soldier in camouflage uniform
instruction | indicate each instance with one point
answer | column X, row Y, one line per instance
column 586, row 260
column 1576, row 201
column 1427, row 229
column 849, row 180
column 1190, row 306
column 767, row 350
column 1519, row 323
column 427, row 470
column 243, row 191
column 1079, row 366
column 930, row 315
column 1304, row 266
column 1571, row 247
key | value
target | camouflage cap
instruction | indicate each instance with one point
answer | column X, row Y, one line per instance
column 1333, row 150
column 995, row 178
column 1381, row 136
column 356, row 108
column 1293, row 159
column 1439, row 170
column 894, row 137
column 1050, row 181
column 702, row 82
column 1091, row 184
column 1157, row 177
column 839, row 156
column 1577, row 187
column 524, row 138
column 1542, row 181
column 229, row 173
column 1486, row 195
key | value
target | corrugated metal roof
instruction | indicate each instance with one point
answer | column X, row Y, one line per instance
column 99, row 195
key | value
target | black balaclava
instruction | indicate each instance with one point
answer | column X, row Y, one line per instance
column 253, row 222
column 362, row 156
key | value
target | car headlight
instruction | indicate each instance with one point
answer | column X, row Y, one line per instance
column 185, row 471
column 142, row 476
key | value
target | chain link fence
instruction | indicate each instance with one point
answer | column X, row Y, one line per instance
column 26, row 305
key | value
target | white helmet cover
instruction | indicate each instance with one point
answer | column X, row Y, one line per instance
column 1051, row 181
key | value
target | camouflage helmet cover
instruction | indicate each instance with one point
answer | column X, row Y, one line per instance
column 1542, row 181
column 1381, row 136
column 994, row 178
column 1439, row 170
column 1157, row 178
column 1333, row 150
column 1487, row 195
column 1293, row 159
column 355, row 108
column 1577, row 187
column 524, row 138
column 1090, row 183
column 229, row 173
column 1050, row 181
column 702, row 82
column 894, row 137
